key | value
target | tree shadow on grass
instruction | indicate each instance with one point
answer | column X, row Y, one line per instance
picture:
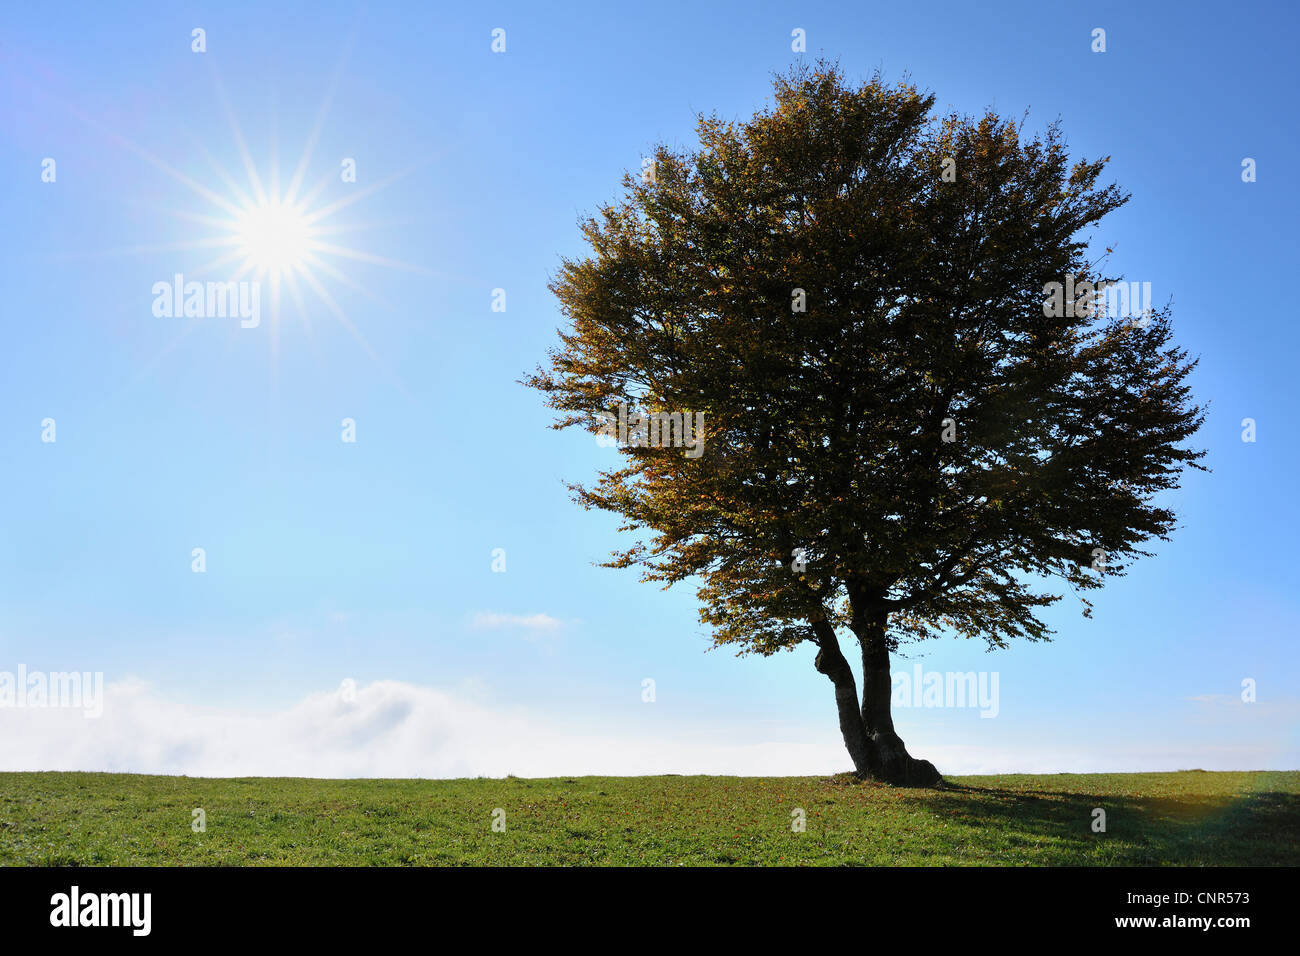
column 1253, row 829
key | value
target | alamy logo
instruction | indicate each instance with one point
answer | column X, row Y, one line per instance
column 70, row 690
column 947, row 689
column 209, row 300
column 648, row 429
column 103, row 909
column 1086, row 299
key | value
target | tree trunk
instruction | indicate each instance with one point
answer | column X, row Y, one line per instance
column 890, row 761
column 830, row 661
column 868, row 729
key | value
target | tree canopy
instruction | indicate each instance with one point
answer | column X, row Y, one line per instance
column 902, row 437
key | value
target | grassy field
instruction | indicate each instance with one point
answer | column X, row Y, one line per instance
column 1192, row 817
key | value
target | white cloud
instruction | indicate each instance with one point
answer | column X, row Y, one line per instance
column 490, row 620
column 389, row 729
column 394, row 729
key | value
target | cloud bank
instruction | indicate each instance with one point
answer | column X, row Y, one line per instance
column 395, row 729
column 384, row 729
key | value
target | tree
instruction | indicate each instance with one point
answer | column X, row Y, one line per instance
column 918, row 411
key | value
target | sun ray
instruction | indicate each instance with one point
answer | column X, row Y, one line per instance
column 248, row 266
column 149, row 157
column 368, row 190
column 344, row 279
column 323, row 294
column 249, row 166
column 241, row 198
column 209, row 267
column 317, row 189
column 180, row 245
column 310, row 146
column 291, row 280
column 275, row 157
column 340, row 229
column 275, row 331
column 230, row 225
column 346, row 253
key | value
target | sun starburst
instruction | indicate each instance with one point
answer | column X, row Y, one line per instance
column 274, row 237
column 288, row 238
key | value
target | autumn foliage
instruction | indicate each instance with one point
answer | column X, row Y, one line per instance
column 900, row 440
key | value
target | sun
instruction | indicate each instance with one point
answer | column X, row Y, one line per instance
column 274, row 237
column 292, row 237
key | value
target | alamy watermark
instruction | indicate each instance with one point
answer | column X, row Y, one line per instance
column 650, row 429
column 71, row 690
column 1085, row 299
column 209, row 300
column 946, row 689
column 130, row 910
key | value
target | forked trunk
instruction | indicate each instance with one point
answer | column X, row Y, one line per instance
column 868, row 730
column 891, row 762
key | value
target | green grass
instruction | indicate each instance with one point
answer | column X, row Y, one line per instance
column 1187, row 818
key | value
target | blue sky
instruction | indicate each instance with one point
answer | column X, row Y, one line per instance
column 372, row 560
